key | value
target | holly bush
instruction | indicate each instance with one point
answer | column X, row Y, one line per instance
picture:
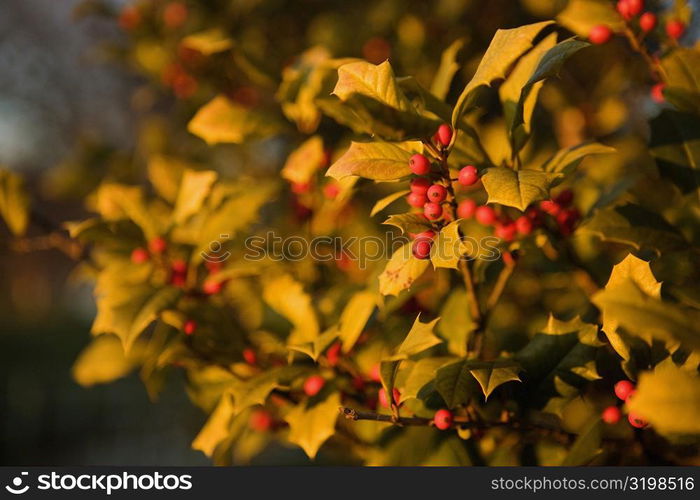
column 391, row 234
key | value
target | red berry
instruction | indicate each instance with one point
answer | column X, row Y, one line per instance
column 657, row 93
column 535, row 215
column 421, row 248
column 139, row 255
column 443, row 419
column 444, row 134
column 211, row 287
column 485, row 215
column 506, row 231
column 178, row 266
column 333, row 353
column 420, row 185
column 250, row 356
column 466, row 209
column 636, row 421
column 384, row 400
column 437, row 193
column 551, row 207
column 375, row 373
column 432, row 210
column 623, row 8
column 648, row 21
column 419, row 164
column 331, row 190
column 178, row 280
column 564, row 198
column 358, row 383
column 189, row 327
column 567, row 219
column 260, row 420
column 158, row 245
column 468, row 175
column 314, row 384
column 624, row 389
column 416, row 200
column 175, row 14
column 675, row 29
column 129, row 18
column 600, row 34
column 524, row 225
column 635, row 7
column 213, row 267
column 301, row 187
column 611, row 415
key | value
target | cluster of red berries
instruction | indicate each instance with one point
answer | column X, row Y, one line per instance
column 624, row 390
column 174, row 16
column 630, row 9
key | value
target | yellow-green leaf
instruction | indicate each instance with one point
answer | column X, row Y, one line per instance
column 14, row 202
column 409, row 223
column 286, row 296
column 217, row 427
column 387, row 200
column 447, row 69
column 355, row 316
column 374, row 81
column 492, row 377
column 447, row 248
column 311, row 425
column 580, row 16
column 373, row 160
column 303, row 162
column 194, row 189
column 420, row 337
column 102, row 361
column 208, row 42
column 517, row 188
column 402, row 270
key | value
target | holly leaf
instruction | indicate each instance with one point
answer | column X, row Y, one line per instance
column 102, row 361
column 494, row 376
column 517, row 188
column 420, row 337
column 447, row 248
column 374, row 81
column 387, row 200
column 675, row 146
column 116, row 202
column 224, row 121
column 354, row 318
column 587, row 446
column 456, row 324
column 321, row 343
column 14, row 202
column 567, row 159
column 255, row 390
column 682, row 75
column 447, row 70
column 635, row 226
column 165, row 175
column 311, row 425
column 402, row 270
column 580, row 16
column 505, row 48
column 286, row 296
column 208, row 42
column 194, row 190
column 303, row 163
column 421, row 374
column 669, row 399
column 217, row 428
column 455, row 383
column 374, row 160
column 409, row 223
column 564, row 350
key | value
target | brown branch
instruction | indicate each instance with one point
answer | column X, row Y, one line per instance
column 500, row 285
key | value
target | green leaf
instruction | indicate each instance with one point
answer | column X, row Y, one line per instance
column 548, row 64
column 636, row 226
column 409, row 223
column 374, row 81
column 354, row 318
column 255, row 390
column 321, row 343
column 455, row 383
column 587, row 446
column 564, row 350
column 568, row 159
column 494, row 376
column 373, row 160
column 303, row 162
column 402, row 270
column 217, row 427
column 421, row 374
column 14, row 202
column 102, row 361
column 420, row 337
column 447, row 70
column 165, row 175
column 505, row 48
column 118, row 202
column 682, row 68
column 580, row 16
column 517, row 188
column 675, row 146
column 286, row 296
column 208, row 42
column 387, row 200
column 447, row 248
column 669, row 399
column 223, row 121
column 456, row 324
column 639, row 272
column 194, row 190
column 311, row 426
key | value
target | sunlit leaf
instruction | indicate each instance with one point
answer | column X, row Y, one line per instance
column 14, row 202
column 402, row 270
column 373, row 160
column 517, row 188
column 311, row 425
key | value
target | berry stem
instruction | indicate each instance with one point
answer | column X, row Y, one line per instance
column 656, row 69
